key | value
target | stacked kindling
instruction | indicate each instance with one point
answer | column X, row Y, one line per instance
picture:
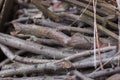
column 54, row 40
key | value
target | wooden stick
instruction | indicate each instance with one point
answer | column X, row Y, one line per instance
column 81, row 4
column 75, row 29
column 65, row 40
column 42, row 78
column 59, row 65
column 41, row 31
column 53, row 66
column 49, row 42
column 61, row 27
column 90, row 64
column 105, row 72
column 89, row 21
column 31, row 46
column 102, row 20
column 88, row 53
column 45, row 11
column 80, row 75
column 17, row 58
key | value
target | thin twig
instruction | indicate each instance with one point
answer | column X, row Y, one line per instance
column 81, row 13
column 96, row 40
column 17, row 58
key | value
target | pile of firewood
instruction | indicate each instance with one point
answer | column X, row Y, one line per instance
column 54, row 40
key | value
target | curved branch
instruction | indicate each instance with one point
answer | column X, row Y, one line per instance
column 17, row 58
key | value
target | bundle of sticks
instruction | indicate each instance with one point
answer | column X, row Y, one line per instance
column 54, row 40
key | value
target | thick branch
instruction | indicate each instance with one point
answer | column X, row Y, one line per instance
column 80, row 75
column 31, row 47
column 40, row 31
column 89, row 64
column 36, row 68
column 17, row 58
